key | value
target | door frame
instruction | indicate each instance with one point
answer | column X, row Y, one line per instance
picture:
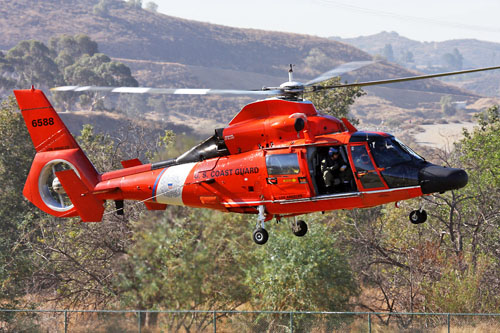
column 359, row 174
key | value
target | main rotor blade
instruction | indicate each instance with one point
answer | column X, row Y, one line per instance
column 337, row 71
column 168, row 91
column 404, row 79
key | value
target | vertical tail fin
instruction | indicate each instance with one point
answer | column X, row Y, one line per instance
column 56, row 151
column 46, row 129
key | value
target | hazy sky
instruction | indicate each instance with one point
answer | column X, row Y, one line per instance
column 423, row 20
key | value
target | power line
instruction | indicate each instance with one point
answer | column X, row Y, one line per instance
column 331, row 3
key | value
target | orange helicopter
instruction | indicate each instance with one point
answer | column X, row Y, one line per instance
column 277, row 158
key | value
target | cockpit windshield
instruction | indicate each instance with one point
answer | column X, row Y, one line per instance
column 409, row 150
column 389, row 152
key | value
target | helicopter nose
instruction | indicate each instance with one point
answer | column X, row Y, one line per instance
column 434, row 178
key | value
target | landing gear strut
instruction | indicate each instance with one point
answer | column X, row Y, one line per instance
column 418, row 216
column 260, row 235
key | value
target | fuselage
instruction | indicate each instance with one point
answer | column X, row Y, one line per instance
column 265, row 158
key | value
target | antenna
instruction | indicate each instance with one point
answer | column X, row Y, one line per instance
column 290, row 73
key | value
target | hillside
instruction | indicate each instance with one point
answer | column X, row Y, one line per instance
column 134, row 33
column 475, row 53
column 430, row 57
column 166, row 51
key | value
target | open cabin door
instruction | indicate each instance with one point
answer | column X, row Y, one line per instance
column 341, row 176
column 287, row 174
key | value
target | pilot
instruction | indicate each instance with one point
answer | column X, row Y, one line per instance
column 384, row 155
column 332, row 168
column 380, row 154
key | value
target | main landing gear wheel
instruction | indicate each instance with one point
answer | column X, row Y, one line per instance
column 299, row 228
column 260, row 236
column 418, row 216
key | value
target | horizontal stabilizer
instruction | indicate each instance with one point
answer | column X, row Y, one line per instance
column 87, row 205
column 155, row 205
column 131, row 163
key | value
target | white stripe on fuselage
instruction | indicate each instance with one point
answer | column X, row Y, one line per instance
column 171, row 184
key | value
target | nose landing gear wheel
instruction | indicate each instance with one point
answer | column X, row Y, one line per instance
column 418, row 216
column 299, row 228
column 260, row 236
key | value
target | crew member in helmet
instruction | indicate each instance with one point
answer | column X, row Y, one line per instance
column 332, row 169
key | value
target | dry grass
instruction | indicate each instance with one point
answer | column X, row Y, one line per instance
column 442, row 135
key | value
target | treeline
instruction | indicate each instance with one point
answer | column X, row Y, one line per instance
column 66, row 60
column 76, row 60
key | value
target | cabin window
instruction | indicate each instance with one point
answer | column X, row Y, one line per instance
column 282, row 164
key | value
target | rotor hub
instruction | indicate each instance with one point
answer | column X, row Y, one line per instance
column 57, row 187
column 292, row 85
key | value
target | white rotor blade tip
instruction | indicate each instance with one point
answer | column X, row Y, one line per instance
column 131, row 90
column 191, row 91
column 65, row 88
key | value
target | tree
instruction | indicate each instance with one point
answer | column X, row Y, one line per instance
column 454, row 60
column 67, row 60
column 33, row 64
column 335, row 102
column 446, row 106
column 135, row 3
column 98, row 70
column 317, row 61
column 388, row 53
column 471, row 219
column 69, row 48
column 152, row 6
column 102, row 8
column 16, row 213
column 293, row 274
column 408, row 57
column 297, row 274
column 184, row 260
column 6, row 70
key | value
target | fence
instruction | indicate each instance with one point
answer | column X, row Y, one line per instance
column 144, row 321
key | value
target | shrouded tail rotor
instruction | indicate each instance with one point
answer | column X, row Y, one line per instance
column 51, row 189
